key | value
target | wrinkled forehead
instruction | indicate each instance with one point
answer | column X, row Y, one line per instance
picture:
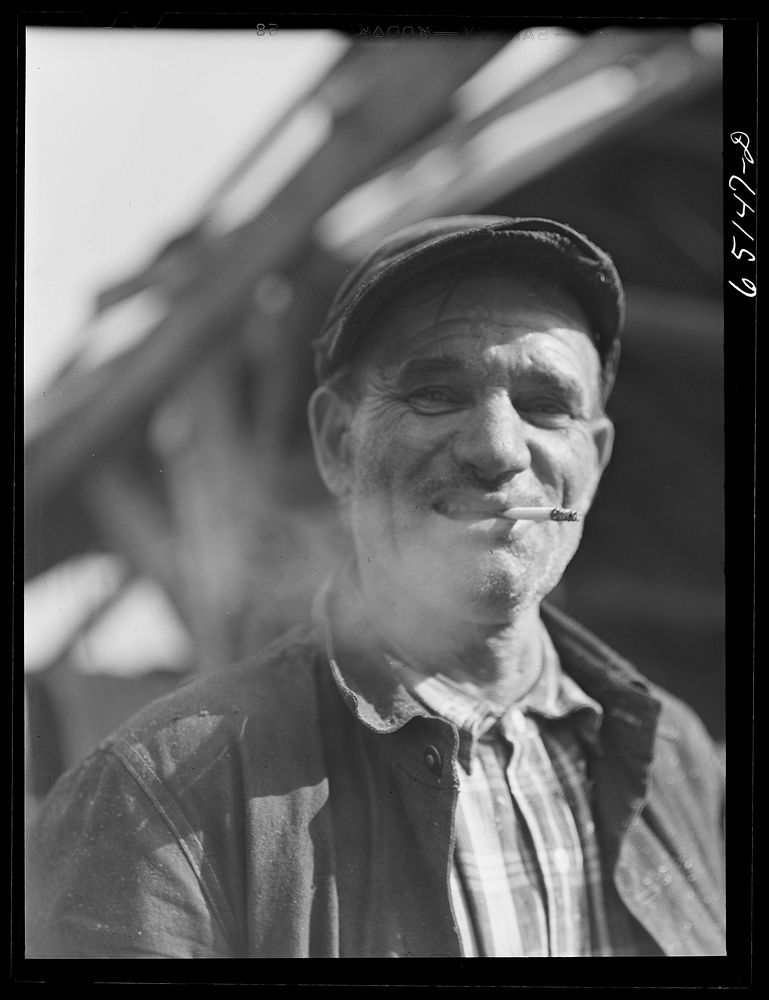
column 493, row 305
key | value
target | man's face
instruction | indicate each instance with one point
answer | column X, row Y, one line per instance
column 474, row 400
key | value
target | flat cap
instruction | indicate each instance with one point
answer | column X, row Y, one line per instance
column 560, row 252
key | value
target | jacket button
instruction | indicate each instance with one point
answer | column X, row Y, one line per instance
column 433, row 760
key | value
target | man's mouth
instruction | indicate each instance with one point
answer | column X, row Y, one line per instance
column 472, row 510
column 464, row 512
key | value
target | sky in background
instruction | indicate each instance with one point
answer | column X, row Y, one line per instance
column 127, row 131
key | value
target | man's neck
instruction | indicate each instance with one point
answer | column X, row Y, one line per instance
column 498, row 662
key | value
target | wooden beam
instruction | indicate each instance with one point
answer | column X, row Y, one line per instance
column 324, row 90
column 482, row 165
column 215, row 489
column 594, row 52
column 134, row 524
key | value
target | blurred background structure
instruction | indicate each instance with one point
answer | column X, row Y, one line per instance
column 174, row 521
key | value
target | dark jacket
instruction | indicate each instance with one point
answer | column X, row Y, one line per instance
column 268, row 811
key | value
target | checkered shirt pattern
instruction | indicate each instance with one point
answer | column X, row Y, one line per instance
column 526, row 879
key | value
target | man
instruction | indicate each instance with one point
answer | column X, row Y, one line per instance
column 438, row 764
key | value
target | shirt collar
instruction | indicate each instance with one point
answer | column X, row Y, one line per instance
column 559, row 696
column 554, row 696
column 446, row 699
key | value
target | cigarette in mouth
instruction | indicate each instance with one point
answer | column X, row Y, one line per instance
column 541, row 514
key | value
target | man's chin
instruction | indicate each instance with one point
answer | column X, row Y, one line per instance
column 492, row 594
column 498, row 598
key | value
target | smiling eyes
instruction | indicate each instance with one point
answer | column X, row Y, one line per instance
column 437, row 400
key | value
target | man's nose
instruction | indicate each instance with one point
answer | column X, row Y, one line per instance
column 492, row 444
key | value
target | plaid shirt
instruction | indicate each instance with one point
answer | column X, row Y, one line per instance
column 526, row 879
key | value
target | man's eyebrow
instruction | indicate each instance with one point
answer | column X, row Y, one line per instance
column 567, row 384
column 427, row 367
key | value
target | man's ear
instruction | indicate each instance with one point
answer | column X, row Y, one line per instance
column 330, row 418
column 603, row 439
column 603, row 436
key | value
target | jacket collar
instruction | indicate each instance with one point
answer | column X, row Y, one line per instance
column 374, row 694
column 629, row 730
